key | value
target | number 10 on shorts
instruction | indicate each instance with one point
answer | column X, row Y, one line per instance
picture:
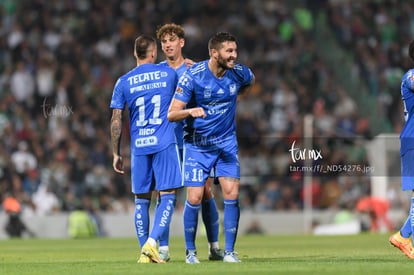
column 197, row 175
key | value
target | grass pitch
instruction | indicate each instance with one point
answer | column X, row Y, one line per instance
column 302, row 254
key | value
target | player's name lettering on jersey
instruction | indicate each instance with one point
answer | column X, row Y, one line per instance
column 146, row 131
column 147, row 76
column 146, row 141
column 148, row 86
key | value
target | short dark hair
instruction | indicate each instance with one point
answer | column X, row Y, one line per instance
column 142, row 44
column 411, row 50
column 220, row 37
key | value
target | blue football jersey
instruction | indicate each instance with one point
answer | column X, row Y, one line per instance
column 180, row 70
column 407, row 93
column 147, row 90
column 179, row 132
column 199, row 87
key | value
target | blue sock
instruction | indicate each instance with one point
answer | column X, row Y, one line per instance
column 190, row 217
column 165, row 236
column 210, row 217
column 406, row 228
column 163, row 215
column 231, row 218
column 141, row 219
column 411, row 216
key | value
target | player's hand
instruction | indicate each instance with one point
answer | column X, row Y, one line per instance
column 118, row 165
column 188, row 62
column 197, row 112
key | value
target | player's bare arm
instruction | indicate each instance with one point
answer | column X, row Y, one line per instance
column 177, row 111
column 116, row 131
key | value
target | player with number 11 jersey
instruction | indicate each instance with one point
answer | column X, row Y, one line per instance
column 147, row 90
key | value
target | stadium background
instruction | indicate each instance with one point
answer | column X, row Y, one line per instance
column 340, row 61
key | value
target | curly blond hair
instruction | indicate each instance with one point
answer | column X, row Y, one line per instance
column 171, row 29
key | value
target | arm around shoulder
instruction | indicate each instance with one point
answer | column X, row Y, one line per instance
column 246, row 89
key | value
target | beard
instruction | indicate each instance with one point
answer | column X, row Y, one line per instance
column 225, row 64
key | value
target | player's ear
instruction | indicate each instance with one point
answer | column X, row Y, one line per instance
column 213, row 53
column 154, row 53
column 182, row 42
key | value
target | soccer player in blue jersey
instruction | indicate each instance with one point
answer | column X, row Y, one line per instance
column 147, row 90
column 206, row 98
column 403, row 238
column 172, row 38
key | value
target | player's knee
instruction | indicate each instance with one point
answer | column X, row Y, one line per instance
column 231, row 195
column 194, row 201
column 230, row 189
column 194, row 198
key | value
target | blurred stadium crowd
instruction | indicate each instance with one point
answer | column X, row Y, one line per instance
column 60, row 59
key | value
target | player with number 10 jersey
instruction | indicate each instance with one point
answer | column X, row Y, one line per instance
column 217, row 97
column 198, row 87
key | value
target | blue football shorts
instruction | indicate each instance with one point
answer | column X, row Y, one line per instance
column 201, row 162
column 159, row 171
column 213, row 170
column 407, row 170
